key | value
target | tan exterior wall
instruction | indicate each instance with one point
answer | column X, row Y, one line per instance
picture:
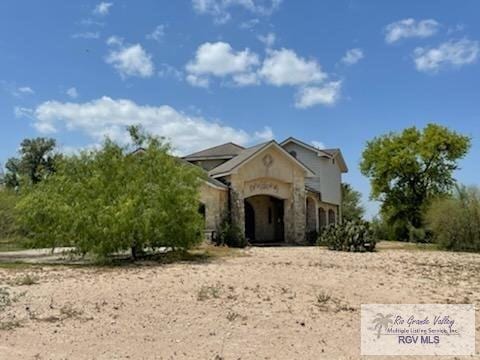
column 278, row 177
column 216, row 206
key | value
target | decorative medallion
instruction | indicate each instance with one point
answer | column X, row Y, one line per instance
column 267, row 160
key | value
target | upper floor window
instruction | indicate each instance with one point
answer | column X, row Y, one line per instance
column 293, row 153
column 333, row 161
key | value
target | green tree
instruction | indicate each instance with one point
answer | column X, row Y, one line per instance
column 352, row 208
column 409, row 169
column 455, row 220
column 113, row 199
column 37, row 160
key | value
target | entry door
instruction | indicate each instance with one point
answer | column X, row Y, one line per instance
column 278, row 217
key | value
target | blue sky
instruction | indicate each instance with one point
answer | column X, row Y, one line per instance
column 202, row 72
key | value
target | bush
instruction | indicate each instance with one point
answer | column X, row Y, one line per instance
column 455, row 221
column 348, row 236
column 8, row 220
column 230, row 235
column 110, row 200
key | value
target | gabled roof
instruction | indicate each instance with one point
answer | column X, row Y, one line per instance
column 224, row 151
column 227, row 167
column 330, row 153
column 208, row 180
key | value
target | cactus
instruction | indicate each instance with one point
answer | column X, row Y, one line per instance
column 349, row 236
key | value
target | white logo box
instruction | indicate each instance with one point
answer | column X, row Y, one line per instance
column 418, row 329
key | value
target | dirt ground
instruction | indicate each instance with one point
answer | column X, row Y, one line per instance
column 260, row 303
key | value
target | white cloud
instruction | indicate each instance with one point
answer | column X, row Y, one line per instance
column 167, row 70
column 198, row 81
column 115, row 41
column 318, row 144
column 219, row 59
column 246, row 79
column 408, row 28
column 285, row 67
column 129, row 60
column 102, row 8
column 268, row 39
column 72, row 93
column 20, row 112
column 26, row 90
column 86, row 35
column 264, row 135
column 353, row 56
column 108, row 117
column 157, row 34
column 310, row 96
column 451, row 53
column 219, row 9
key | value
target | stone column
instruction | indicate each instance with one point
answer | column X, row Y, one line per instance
column 237, row 205
column 299, row 208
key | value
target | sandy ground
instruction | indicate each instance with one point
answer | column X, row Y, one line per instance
column 262, row 303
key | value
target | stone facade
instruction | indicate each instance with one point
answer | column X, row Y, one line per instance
column 265, row 191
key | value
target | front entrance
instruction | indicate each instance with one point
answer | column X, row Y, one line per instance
column 264, row 219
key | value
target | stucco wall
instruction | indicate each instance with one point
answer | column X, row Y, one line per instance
column 216, row 205
column 329, row 177
column 291, row 187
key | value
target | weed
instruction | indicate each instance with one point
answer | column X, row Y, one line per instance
column 209, row 291
column 323, row 297
column 26, row 280
column 4, row 298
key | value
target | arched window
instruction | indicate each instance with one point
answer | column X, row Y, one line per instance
column 293, row 153
column 322, row 217
column 331, row 217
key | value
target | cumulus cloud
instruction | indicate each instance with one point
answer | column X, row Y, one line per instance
column 129, row 60
column 327, row 94
column 409, row 28
column 285, row 67
column 102, row 8
column 157, row 34
column 353, row 56
column 268, row 39
column 26, row 90
column 220, row 9
column 219, row 59
column 109, row 117
column 72, row 93
column 449, row 54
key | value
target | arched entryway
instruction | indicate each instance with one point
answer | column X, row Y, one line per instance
column 264, row 221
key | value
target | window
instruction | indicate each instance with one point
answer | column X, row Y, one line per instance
column 333, row 161
column 322, row 217
column 331, row 216
column 293, row 153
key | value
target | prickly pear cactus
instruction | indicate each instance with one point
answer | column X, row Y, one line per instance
column 353, row 236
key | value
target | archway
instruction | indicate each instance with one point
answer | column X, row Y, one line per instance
column 264, row 219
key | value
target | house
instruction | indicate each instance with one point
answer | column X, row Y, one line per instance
column 274, row 192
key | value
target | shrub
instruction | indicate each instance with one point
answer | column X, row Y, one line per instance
column 230, row 235
column 8, row 221
column 111, row 200
column 348, row 236
column 455, row 221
